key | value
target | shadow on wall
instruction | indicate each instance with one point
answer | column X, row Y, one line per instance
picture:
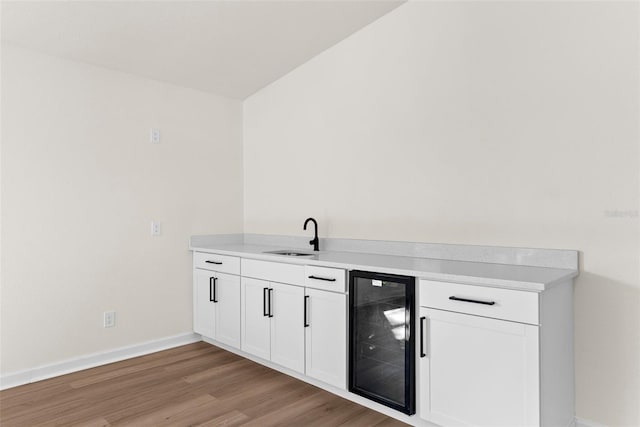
column 606, row 340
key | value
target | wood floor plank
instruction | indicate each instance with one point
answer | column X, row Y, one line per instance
column 12, row 402
column 188, row 365
column 95, row 422
column 271, row 402
column 230, row 419
column 237, row 383
column 196, row 384
column 169, row 414
column 271, row 383
column 390, row 422
column 286, row 413
column 334, row 412
column 363, row 418
column 215, row 371
column 141, row 364
column 44, row 413
column 146, row 403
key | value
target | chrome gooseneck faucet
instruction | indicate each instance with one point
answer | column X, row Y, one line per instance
column 315, row 240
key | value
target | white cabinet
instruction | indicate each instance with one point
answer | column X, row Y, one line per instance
column 328, row 279
column 495, row 357
column 204, row 307
column 255, row 321
column 477, row 371
column 325, row 336
column 227, row 309
column 485, row 356
column 505, row 304
column 221, row 263
column 303, row 329
column 287, row 325
column 217, row 306
column 273, row 322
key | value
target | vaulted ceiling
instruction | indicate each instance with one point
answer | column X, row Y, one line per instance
column 232, row 48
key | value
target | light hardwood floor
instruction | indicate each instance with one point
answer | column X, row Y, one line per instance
column 196, row 384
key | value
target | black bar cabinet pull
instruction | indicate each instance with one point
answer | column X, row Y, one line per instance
column 264, row 302
column 323, row 278
column 422, row 353
column 472, row 300
column 270, row 302
column 213, row 262
column 215, row 282
column 306, row 298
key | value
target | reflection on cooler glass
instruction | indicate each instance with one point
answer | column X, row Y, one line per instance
column 397, row 318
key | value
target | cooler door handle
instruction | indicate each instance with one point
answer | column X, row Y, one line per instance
column 422, row 320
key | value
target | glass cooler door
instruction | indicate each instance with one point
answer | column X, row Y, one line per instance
column 381, row 331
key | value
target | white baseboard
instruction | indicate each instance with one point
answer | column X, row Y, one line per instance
column 581, row 422
column 39, row 373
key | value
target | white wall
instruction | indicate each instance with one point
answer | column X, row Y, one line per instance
column 80, row 185
column 507, row 123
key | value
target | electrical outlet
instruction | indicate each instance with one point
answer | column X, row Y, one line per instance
column 155, row 136
column 156, row 228
column 109, row 319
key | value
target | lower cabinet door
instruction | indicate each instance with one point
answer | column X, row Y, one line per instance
column 287, row 326
column 255, row 321
column 476, row 371
column 204, row 307
column 326, row 337
column 227, row 313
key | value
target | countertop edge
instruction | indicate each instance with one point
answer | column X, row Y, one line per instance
column 530, row 286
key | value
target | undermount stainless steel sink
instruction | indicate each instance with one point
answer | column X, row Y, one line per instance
column 288, row 253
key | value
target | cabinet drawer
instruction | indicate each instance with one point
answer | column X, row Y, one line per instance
column 273, row 271
column 329, row 279
column 507, row 304
column 215, row 262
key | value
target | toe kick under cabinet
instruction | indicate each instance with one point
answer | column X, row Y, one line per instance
column 495, row 357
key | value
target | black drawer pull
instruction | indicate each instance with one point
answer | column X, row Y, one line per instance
column 323, row 278
column 472, row 300
column 306, row 298
column 215, row 289
column 270, row 302
column 265, row 312
column 213, row 262
column 212, row 289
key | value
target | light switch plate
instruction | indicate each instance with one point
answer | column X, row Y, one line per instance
column 156, row 228
column 109, row 319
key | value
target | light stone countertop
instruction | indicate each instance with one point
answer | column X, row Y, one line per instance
column 512, row 276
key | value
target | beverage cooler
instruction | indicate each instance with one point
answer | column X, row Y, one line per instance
column 382, row 339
